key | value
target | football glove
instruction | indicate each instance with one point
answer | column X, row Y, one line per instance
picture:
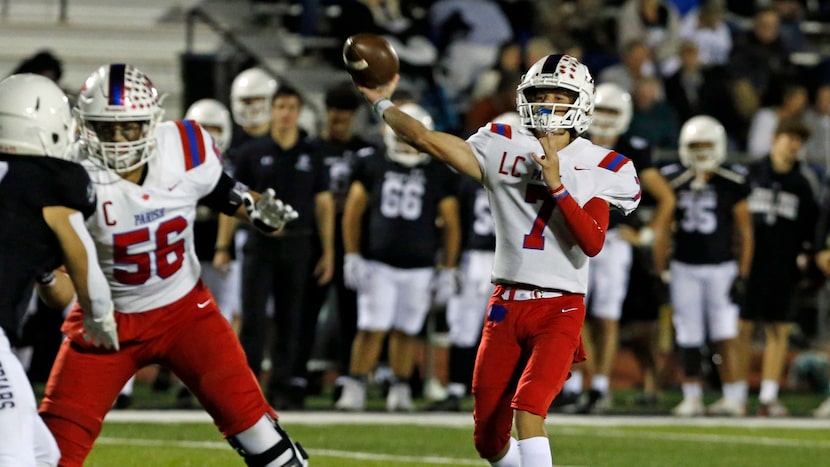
column 268, row 214
column 101, row 331
column 355, row 271
column 737, row 292
column 445, row 283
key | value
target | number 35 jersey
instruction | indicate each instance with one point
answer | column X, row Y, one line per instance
column 705, row 217
column 144, row 233
column 534, row 246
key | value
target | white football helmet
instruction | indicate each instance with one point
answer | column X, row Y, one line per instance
column 557, row 71
column 212, row 113
column 705, row 130
column 616, row 103
column 253, row 83
column 118, row 93
column 401, row 152
column 35, row 119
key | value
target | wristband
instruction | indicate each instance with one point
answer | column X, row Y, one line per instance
column 221, row 248
column 558, row 193
column 381, row 105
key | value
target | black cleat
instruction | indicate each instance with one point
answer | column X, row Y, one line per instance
column 123, row 401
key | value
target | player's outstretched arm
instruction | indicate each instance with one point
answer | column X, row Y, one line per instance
column 451, row 149
column 81, row 261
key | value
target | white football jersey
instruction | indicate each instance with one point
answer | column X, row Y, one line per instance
column 144, row 233
column 534, row 245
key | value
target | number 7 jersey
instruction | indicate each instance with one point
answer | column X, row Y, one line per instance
column 534, row 245
column 144, row 233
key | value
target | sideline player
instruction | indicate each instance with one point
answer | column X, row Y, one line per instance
column 712, row 213
column 149, row 177
column 550, row 192
column 43, row 203
column 611, row 268
column 396, row 197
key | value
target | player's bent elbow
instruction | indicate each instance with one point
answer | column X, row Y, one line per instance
column 593, row 248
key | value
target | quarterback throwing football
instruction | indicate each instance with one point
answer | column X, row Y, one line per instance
column 550, row 192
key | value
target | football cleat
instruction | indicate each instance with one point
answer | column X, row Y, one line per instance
column 353, row 397
column 726, row 407
column 689, row 407
column 399, row 398
column 773, row 409
column 823, row 411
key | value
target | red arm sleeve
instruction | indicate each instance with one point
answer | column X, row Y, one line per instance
column 588, row 223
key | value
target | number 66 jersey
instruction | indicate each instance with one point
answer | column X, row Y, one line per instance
column 144, row 233
column 534, row 245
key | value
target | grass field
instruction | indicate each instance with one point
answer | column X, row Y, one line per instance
column 173, row 438
column 157, row 435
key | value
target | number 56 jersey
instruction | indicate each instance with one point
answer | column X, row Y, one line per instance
column 534, row 245
column 144, row 233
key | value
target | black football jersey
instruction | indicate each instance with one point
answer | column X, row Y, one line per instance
column 478, row 229
column 402, row 208
column 338, row 158
column 704, row 218
column 639, row 151
column 28, row 247
column 784, row 212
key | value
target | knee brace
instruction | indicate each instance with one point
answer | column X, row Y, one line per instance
column 691, row 362
column 288, row 452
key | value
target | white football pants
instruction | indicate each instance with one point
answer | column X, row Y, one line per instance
column 700, row 302
column 466, row 310
column 608, row 278
column 394, row 298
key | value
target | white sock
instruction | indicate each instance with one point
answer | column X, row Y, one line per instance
column 769, row 391
column 261, row 437
column 743, row 390
column 600, row 383
column 733, row 391
column 535, row 452
column 573, row 384
column 692, row 391
column 512, row 458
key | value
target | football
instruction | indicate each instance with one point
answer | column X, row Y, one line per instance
column 370, row 60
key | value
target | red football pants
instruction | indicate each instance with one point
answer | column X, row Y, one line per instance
column 196, row 343
column 527, row 348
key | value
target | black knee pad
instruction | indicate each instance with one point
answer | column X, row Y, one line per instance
column 691, row 362
column 298, row 454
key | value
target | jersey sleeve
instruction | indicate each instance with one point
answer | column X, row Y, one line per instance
column 202, row 161
column 621, row 188
column 480, row 140
column 74, row 189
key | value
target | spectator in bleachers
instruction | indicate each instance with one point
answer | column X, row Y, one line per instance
column 653, row 118
column 791, row 13
column 817, row 117
column 707, row 28
column 536, row 48
column 585, row 20
column 486, row 108
column 759, row 66
column 634, row 64
column 511, row 59
column 658, row 24
column 766, row 120
column 468, row 34
column 694, row 89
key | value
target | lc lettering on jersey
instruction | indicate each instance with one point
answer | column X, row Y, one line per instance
column 148, row 216
column 516, row 161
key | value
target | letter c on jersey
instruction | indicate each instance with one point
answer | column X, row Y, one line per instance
column 106, row 213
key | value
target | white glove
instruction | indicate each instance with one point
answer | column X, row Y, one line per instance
column 355, row 272
column 268, row 213
column 101, row 331
column 445, row 283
